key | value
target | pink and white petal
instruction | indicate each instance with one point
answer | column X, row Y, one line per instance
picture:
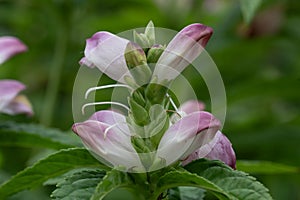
column 9, row 46
column 223, row 151
column 183, row 49
column 113, row 146
column 186, row 135
column 220, row 148
column 111, row 118
column 9, row 89
column 95, row 40
column 106, row 51
column 19, row 105
column 86, row 62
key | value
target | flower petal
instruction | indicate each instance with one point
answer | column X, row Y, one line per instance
column 186, row 135
column 9, row 46
column 106, row 51
column 219, row 148
column 183, row 49
column 9, row 89
column 19, row 105
column 111, row 118
column 113, row 147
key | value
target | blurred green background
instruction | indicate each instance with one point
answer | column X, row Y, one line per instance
column 259, row 63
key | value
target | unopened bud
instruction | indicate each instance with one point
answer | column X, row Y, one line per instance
column 139, row 113
column 147, row 39
column 154, row 53
column 150, row 33
column 134, row 55
column 137, row 63
column 141, row 39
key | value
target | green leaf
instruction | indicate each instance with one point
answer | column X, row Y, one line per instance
column 265, row 167
column 186, row 193
column 32, row 135
column 114, row 179
column 236, row 183
column 79, row 185
column 249, row 8
column 184, row 178
column 49, row 167
column 139, row 113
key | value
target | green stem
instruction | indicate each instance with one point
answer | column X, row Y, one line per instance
column 54, row 76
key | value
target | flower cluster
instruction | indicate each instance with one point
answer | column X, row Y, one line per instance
column 150, row 136
column 11, row 102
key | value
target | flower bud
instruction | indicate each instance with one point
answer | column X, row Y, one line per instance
column 150, row 33
column 141, row 39
column 140, row 115
column 147, row 39
column 134, row 55
column 154, row 53
column 137, row 63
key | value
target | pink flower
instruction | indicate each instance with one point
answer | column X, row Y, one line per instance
column 106, row 51
column 108, row 136
column 183, row 49
column 9, row 46
column 186, row 135
column 10, row 100
column 219, row 148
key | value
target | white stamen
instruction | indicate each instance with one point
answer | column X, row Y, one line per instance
column 115, row 125
column 103, row 103
column 172, row 102
column 105, row 87
column 108, row 128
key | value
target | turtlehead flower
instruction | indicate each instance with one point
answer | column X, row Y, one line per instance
column 183, row 49
column 106, row 134
column 9, row 46
column 10, row 101
column 219, row 148
column 186, row 135
column 106, row 51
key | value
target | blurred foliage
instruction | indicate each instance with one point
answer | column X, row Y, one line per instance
column 259, row 63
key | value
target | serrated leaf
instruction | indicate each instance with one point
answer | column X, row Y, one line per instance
column 114, row 179
column 54, row 181
column 79, row 185
column 249, row 8
column 33, row 135
column 184, row 178
column 236, row 183
column 49, row 167
column 265, row 167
